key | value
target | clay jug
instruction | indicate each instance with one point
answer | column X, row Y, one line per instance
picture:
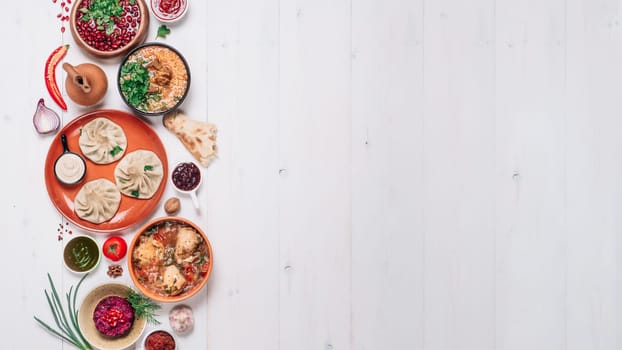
column 86, row 83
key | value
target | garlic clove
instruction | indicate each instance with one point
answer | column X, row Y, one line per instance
column 45, row 119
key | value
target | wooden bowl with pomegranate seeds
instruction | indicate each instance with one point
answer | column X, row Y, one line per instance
column 109, row 28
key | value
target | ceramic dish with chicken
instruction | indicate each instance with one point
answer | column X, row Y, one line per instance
column 154, row 79
column 171, row 259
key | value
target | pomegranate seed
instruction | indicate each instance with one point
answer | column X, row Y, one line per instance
column 62, row 29
column 62, row 4
column 58, row 15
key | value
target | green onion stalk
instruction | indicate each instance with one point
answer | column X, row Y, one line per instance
column 67, row 322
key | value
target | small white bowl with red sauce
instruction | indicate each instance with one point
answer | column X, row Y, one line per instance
column 186, row 178
column 169, row 11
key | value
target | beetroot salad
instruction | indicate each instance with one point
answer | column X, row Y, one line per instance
column 113, row 316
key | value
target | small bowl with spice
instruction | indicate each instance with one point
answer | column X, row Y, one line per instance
column 153, row 79
column 169, row 11
column 160, row 339
column 109, row 28
column 81, row 254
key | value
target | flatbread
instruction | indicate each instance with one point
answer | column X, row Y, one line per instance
column 199, row 137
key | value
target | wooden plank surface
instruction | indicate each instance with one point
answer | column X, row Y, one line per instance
column 531, row 244
column 387, row 175
column 427, row 175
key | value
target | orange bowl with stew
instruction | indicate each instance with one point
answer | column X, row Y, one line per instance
column 170, row 259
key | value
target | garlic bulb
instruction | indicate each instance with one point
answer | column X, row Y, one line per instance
column 45, row 120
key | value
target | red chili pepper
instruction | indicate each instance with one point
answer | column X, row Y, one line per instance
column 50, row 75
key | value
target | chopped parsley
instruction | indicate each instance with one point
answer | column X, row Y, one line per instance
column 163, row 31
column 148, row 167
column 103, row 12
column 135, row 193
column 116, row 150
column 151, row 231
column 134, row 83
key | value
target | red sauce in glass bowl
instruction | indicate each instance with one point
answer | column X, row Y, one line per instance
column 169, row 10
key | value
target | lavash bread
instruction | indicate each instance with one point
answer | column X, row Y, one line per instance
column 139, row 174
column 199, row 137
column 97, row 201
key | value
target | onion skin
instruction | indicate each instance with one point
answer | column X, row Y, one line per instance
column 45, row 119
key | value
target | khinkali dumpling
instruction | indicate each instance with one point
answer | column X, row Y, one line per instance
column 102, row 141
column 139, row 174
column 97, row 201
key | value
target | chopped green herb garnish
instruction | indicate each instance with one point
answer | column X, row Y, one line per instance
column 116, row 150
column 134, row 83
column 135, row 193
column 103, row 13
column 148, row 167
column 151, row 231
column 163, row 31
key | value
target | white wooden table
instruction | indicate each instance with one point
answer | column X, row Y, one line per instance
column 401, row 174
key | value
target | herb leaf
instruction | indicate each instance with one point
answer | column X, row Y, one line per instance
column 148, row 167
column 134, row 83
column 143, row 306
column 103, row 13
column 116, row 150
column 135, row 193
column 163, row 31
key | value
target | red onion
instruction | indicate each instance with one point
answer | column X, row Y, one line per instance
column 45, row 120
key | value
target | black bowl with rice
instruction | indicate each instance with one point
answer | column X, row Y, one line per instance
column 153, row 79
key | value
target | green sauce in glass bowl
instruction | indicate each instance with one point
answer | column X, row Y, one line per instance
column 81, row 254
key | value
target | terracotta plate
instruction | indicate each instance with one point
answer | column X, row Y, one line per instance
column 132, row 210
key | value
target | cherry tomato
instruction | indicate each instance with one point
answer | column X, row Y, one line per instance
column 114, row 248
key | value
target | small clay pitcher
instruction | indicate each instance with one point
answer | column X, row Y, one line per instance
column 86, row 83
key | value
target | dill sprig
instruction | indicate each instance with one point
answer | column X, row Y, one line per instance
column 143, row 306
